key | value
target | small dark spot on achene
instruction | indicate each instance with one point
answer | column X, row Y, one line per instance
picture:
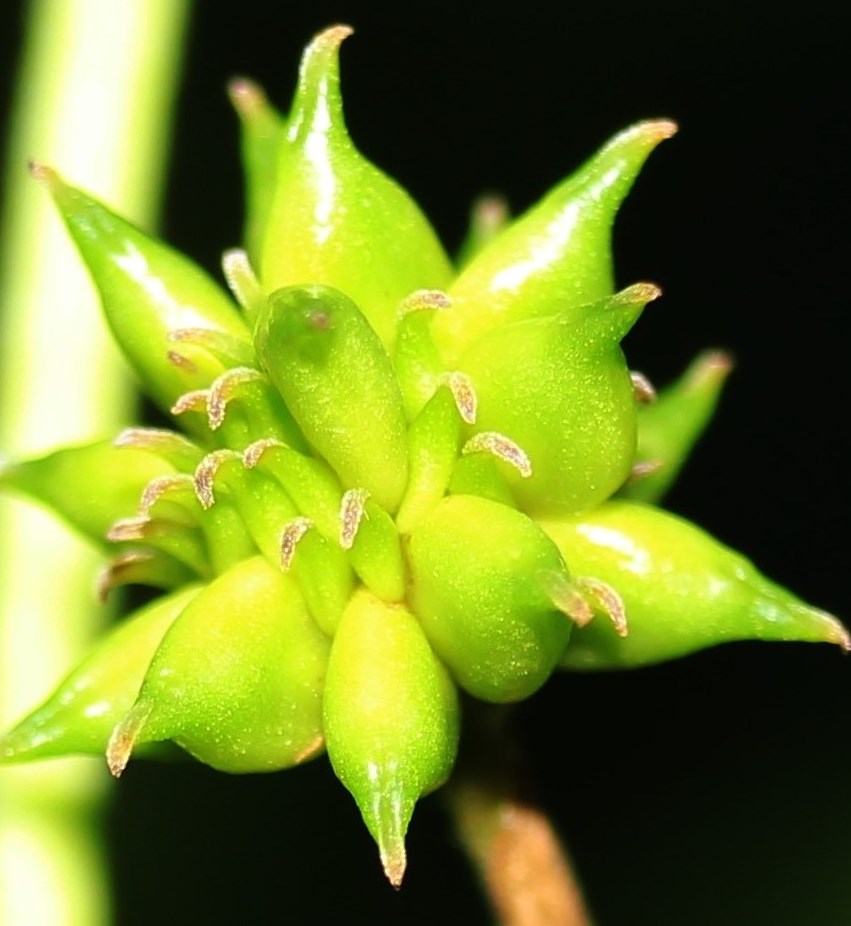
column 319, row 319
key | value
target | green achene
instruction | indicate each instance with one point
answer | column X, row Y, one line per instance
column 388, row 752
column 682, row 589
column 237, row 678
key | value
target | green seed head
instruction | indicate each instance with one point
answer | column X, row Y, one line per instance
column 388, row 479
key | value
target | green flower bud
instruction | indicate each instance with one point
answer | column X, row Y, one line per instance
column 682, row 589
column 391, row 719
column 89, row 484
column 237, row 680
column 338, row 381
column 555, row 256
column 79, row 716
column 669, row 427
column 149, row 292
column 484, row 578
column 559, row 388
column 335, row 218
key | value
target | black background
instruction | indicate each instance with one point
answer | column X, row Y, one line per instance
column 712, row 790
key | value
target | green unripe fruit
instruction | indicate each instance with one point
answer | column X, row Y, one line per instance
column 335, row 218
column 376, row 552
column 559, row 387
column 683, row 590
column 391, row 719
column 556, row 256
column 483, row 579
column 262, row 134
column 669, row 427
column 432, row 452
column 338, row 381
column 237, row 680
column 87, row 485
column 149, row 291
column 80, row 715
column 281, row 533
column 417, row 361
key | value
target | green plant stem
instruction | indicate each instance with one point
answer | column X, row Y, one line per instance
column 523, row 867
column 95, row 94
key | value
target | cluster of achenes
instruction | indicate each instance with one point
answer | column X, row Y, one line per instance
column 397, row 479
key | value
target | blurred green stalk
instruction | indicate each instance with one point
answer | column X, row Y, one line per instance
column 96, row 90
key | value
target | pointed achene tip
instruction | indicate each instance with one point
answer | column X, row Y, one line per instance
column 7, row 748
column 246, row 96
column 352, row 512
column 641, row 469
column 387, row 815
column 422, row 300
column 394, row 860
column 332, row 37
column 242, row 280
column 120, row 571
column 711, row 366
column 253, row 453
column 194, row 401
column 43, row 173
column 836, row 632
column 292, row 534
column 638, row 294
column 17, row 744
column 319, row 65
column 124, row 736
column 642, row 388
column 646, row 134
column 8, row 468
column 659, row 129
column 491, row 210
